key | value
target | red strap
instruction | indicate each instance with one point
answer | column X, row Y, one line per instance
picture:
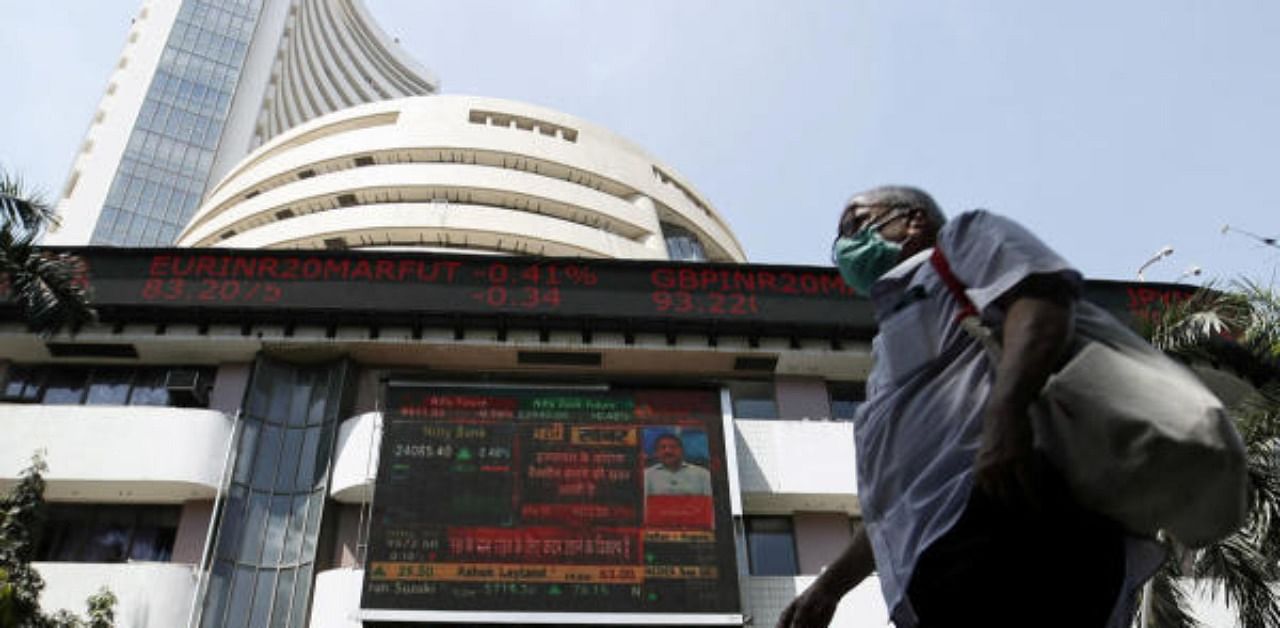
column 954, row 284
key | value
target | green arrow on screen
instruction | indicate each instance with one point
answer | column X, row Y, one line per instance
column 554, row 590
column 463, row 454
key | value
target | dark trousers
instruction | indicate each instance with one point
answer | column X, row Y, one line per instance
column 999, row 566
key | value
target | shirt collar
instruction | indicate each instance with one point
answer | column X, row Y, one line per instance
column 890, row 284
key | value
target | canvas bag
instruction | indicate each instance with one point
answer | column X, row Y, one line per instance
column 1137, row 436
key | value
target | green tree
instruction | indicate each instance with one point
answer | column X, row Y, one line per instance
column 44, row 285
column 22, row 514
column 1233, row 338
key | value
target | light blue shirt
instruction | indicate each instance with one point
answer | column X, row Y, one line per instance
column 687, row 479
column 918, row 434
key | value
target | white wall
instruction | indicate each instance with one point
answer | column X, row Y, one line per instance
column 149, row 595
column 355, row 459
column 796, row 466
column 116, row 453
column 764, row 598
column 336, row 599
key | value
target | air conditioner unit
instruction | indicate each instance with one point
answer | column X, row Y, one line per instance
column 187, row 388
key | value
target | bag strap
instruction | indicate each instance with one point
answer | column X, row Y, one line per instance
column 953, row 283
column 968, row 314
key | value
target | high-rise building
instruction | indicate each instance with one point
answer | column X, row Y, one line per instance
column 200, row 83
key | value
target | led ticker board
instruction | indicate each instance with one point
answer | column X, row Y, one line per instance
column 134, row 284
column 459, row 285
column 555, row 501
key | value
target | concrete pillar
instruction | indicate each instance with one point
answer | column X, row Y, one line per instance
column 802, row 398
column 820, row 537
column 347, row 536
column 229, row 386
column 193, row 529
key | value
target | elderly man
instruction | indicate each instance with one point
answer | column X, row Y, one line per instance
column 673, row 475
column 964, row 523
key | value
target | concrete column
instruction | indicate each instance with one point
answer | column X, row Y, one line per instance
column 193, row 528
column 228, row 387
column 368, row 386
column 347, row 536
column 820, row 537
column 802, row 398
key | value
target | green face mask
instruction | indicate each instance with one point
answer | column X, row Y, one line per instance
column 864, row 257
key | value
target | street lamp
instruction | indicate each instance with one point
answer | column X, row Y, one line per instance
column 1161, row 254
column 1193, row 271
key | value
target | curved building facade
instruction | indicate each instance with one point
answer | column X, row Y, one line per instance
column 199, row 84
column 334, row 56
column 459, row 172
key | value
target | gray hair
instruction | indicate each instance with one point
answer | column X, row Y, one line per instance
column 900, row 195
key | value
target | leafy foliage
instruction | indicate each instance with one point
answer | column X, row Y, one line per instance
column 22, row 515
column 44, row 285
column 1237, row 331
column 1170, row 608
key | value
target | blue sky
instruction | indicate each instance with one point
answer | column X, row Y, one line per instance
column 1111, row 129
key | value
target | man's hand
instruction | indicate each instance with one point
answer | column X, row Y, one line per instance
column 1006, row 469
column 812, row 609
column 815, row 607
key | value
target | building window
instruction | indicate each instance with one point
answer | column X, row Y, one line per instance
column 105, row 385
column 683, row 245
column 846, row 398
column 98, row 533
column 269, row 524
column 753, row 400
column 771, row 546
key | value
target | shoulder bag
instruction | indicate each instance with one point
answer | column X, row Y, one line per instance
column 1138, row 437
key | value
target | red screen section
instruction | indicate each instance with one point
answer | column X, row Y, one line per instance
column 679, row 511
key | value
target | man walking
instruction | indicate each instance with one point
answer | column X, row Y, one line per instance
column 964, row 522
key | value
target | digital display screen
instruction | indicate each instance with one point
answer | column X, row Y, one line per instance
column 458, row 285
column 540, row 500
column 357, row 286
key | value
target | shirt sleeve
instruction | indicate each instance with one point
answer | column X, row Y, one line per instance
column 990, row 254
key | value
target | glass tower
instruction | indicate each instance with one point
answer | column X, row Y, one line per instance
column 166, row 163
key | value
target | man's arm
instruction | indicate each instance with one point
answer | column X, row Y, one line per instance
column 1039, row 319
column 815, row 607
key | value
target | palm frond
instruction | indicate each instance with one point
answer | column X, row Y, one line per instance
column 1262, row 335
column 1169, row 606
column 1238, row 331
column 1258, row 419
column 1245, row 575
column 23, row 208
column 1181, row 327
column 47, row 287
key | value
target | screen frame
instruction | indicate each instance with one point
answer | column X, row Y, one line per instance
column 377, row 616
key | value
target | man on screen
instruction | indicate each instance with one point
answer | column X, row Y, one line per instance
column 672, row 475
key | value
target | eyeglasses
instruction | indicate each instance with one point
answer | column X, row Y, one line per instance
column 851, row 222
